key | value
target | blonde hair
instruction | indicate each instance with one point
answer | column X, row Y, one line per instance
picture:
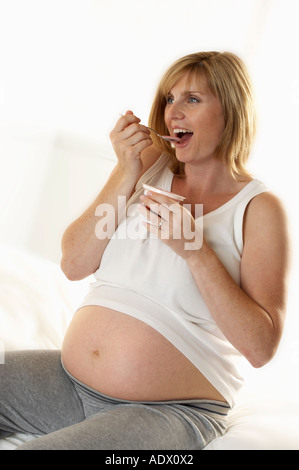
column 228, row 79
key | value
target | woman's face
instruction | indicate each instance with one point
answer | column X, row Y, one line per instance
column 192, row 108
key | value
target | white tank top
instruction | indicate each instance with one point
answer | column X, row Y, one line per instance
column 144, row 278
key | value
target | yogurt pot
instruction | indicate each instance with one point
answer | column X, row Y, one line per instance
column 153, row 189
column 173, row 196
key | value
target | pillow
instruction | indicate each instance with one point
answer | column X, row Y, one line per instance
column 37, row 301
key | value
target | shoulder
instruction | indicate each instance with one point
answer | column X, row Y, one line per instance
column 264, row 206
column 265, row 218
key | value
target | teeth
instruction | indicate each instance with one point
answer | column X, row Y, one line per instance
column 184, row 131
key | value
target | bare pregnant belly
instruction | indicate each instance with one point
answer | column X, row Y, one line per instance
column 123, row 357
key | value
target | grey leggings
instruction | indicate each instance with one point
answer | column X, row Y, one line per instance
column 38, row 396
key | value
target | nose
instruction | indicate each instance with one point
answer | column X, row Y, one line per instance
column 175, row 111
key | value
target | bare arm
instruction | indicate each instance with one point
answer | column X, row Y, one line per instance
column 251, row 316
column 82, row 250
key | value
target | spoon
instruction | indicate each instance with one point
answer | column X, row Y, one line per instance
column 168, row 138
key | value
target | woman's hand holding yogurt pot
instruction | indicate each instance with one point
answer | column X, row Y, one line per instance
column 166, row 218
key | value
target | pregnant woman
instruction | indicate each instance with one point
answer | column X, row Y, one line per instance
column 150, row 359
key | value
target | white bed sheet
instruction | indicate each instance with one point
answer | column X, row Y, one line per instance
column 36, row 305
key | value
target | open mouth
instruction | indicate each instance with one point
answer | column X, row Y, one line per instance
column 183, row 134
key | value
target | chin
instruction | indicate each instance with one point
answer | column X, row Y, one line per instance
column 184, row 156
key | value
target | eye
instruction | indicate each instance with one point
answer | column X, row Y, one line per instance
column 193, row 99
column 169, row 99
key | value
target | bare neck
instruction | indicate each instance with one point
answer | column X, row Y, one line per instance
column 211, row 185
column 209, row 179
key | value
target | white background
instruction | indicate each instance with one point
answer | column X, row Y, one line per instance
column 69, row 67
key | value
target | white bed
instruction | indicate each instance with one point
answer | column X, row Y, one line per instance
column 36, row 306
